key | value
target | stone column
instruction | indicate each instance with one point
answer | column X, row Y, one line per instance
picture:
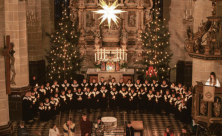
column 202, row 68
column 4, row 110
column 15, row 26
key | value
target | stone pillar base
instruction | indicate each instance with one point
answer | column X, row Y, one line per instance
column 6, row 130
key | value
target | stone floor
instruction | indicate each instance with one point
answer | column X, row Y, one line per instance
column 154, row 125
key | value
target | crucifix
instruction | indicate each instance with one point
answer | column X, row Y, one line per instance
column 8, row 53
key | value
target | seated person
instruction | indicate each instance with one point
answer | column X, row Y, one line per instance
column 129, row 129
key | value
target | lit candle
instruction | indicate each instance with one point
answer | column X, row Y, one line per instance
column 104, row 54
column 95, row 56
column 123, row 54
column 120, row 53
column 101, row 53
column 98, row 54
column 117, row 53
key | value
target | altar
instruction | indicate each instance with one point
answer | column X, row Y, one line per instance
column 108, row 75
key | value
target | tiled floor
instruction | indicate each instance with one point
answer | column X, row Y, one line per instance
column 154, row 125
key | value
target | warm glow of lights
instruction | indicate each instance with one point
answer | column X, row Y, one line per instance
column 109, row 12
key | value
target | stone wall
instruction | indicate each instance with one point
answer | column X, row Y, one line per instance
column 174, row 12
column 34, row 28
column 15, row 26
column 4, row 112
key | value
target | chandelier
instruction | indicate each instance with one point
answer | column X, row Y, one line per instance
column 109, row 12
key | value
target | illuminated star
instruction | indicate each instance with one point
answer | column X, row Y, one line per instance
column 109, row 12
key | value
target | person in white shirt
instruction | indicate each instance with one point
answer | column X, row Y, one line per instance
column 54, row 131
column 213, row 81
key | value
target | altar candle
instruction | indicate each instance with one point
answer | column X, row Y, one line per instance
column 98, row 54
column 101, row 53
column 117, row 53
column 95, row 57
column 104, row 53
column 120, row 53
column 123, row 54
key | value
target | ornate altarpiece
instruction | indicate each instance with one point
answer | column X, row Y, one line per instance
column 125, row 35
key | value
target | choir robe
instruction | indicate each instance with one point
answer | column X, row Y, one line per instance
column 84, row 86
column 166, row 103
column 158, row 102
column 37, row 95
column 49, row 91
column 189, row 105
column 93, row 85
column 88, row 100
column 42, row 93
column 42, row 113
column 132, row 101
column 163, row 88
column 53, row 107
column 35, row 104
column 173, row 89
column 103, row 98
column 33, row 83
column 69, row 130
column 102, row 84
column 154, row 87
column 69, row 97
column 150, row 102
column 55, row 89
column 176, row 108
column 57, row 105
column 47, row 111
column 172, row 104
column 114, row 99
column 95, row 99
column 147, row 87
column 124, row 98
column 111, row 85
column 129, row 87
column 119, row 86
column 27, row 108
column 142, row 100
column 137, row 86
column 65, row 86
column 74, row 87
column 63, row 102
column 179, row 91
column 79, row 100
column 183, row 113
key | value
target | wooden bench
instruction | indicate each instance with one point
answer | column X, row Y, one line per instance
column 138, row 126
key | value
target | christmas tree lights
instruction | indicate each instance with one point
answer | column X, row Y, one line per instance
column 155, row 42
column 64, row 57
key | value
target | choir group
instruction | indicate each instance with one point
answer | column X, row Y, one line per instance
column 153, row 97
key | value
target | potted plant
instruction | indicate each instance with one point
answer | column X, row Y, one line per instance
column 97, row 65
column 124, row 66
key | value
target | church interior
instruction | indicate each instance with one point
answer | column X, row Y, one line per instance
column 131, row 67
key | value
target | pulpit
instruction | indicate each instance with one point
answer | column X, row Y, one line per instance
column 207, row 114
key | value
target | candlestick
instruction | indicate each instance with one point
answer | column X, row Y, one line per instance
column 95, row 57
column 123, row 54
column 120, row 53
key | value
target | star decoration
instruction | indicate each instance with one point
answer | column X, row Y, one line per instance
column 109, row 12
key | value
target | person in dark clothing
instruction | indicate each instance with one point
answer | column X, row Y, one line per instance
column 129, row 129
column 22, row 130
column 168, row 132
column 185, row 131
column 27, row 107
column 85, row 126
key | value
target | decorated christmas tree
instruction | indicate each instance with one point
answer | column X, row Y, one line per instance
column 64, row 57
column 155, row 44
